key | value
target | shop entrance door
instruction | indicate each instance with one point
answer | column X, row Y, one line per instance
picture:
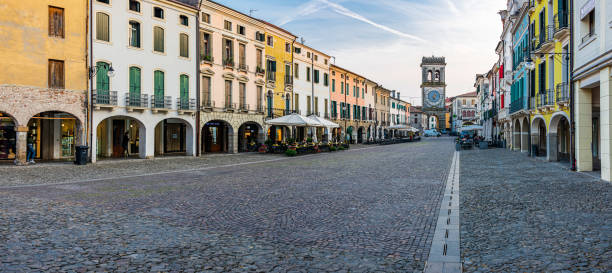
column 118, row 131
column 174, row 136
column 595, row 145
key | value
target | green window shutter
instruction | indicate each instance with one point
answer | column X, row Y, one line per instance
column 134, row 81
column 102, row 82
column 333, row 85
column 184, row 87
column 159, row 84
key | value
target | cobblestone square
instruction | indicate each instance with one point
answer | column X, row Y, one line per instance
column 371, row 208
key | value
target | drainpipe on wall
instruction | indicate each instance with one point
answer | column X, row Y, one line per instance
column 90, row 87
column 571, row 86
column 198, row 87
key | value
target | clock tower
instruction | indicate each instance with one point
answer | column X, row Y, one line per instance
column 433, row 90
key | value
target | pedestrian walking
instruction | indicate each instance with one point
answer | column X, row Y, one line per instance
column 124, row 144
column 30, row 151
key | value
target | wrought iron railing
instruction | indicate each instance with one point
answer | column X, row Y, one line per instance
column 278, row 112
column 548, row 34
column 136, row 100
column 562, row 92
column 517, row 105
column 288, row 79
column 104, row 97
column 244, row 107
column 271, row 76
column 260, row 70
column 186, row 104
column 561, row 21
column 228, row 62
column 230, row 106
column 161, row 102
column 208, row 104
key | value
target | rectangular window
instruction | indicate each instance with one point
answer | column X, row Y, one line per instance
column 288, row 47
column 134, row 6
column 296, row 70
column 184, row 45
column 206, row 98
column 316, row 106
column 259, row 53
column 228, row 52
column 228, row 94
column 308, row 106
column 326, row 112
column 316, row 76
column 134, row 34
column 242, row 56
column 296, row 103
column 56, row 22
column 325, row 79
column 241, row 30
column 227, row 25
column 56, row 74
column 206, row 50
column 242, row 90
column 158, row 13
column 184, row 89
column 102, row 27
column 307, row 73
column 184, row 20
column 271, row 41
column 259, row 98
column 341, row 88
column 333, row 85
column 362, row 92
column 205, row 18
column 158, row 39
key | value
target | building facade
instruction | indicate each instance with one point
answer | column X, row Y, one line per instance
column 43, row 83
column 464, row 111
column 521, row 75
column 549, row 105
column 311, row 86
column 592, row 70
column 349, row 103
column 144, row 81
column 382, row 112
column 232, row 80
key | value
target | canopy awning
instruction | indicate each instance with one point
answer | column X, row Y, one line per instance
column 324, row 122
column 470, row 127
column 398, row 126
column 295, row 120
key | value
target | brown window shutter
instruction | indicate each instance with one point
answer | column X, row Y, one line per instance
column 51, row 30
column 51, row 74
column 60, row 74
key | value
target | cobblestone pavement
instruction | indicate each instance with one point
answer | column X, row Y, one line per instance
column 519, row 214
column 365, row 210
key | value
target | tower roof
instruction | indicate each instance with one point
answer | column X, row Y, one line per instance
column 433, row 60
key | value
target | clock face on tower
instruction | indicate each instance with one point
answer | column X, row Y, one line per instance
column 434, row 97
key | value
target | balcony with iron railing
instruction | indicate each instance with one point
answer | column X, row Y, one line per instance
column 562, row 93
column 136, row 101
column 186, row 105
column 533, row 103
column 242, row 67
column 208, row 59
column 244, row 107
column 518, row 105
column 104, row 99
column 548, row 38
column 561, row 25
column 277, row 112
column 288, row 80
column 545, row 99
column 260, row 71
column 161, row 103
column 228, row 63
column 207, row 105
column 271, row 76
column 230, row 106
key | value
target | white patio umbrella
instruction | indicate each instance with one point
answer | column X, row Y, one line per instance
column 325, row 123
column 294, row 120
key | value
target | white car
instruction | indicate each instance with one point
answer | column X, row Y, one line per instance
column 431, row 132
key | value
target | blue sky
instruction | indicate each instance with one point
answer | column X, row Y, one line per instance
column 384, row 40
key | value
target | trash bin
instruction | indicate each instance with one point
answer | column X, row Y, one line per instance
column 80, row 157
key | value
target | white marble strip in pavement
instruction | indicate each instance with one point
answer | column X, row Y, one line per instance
column 445, row 255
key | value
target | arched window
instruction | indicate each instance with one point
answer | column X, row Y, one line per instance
column 429, row 75
column 102, row 27
column 437, row 78
column 102, row 79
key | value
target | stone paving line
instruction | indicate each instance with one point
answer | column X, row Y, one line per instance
column 520, row 214
column 363, row 211
column 46, row 173
column 444, row 255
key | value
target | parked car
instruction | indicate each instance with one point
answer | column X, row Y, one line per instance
column 431, row 132
column 444, row 131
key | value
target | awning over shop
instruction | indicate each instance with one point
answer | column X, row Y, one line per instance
column 324, row 122
column 295, row 120
column 470, row 128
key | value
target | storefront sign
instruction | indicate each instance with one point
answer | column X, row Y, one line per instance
column 587, row 8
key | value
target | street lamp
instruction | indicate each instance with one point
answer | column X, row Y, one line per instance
column 94, row 70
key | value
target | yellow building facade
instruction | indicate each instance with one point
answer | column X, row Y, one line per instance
column 279, row 63
column 549, row 103
column 43, row 78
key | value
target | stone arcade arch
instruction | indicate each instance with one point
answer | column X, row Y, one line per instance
column 538, row 135
column 109, row 137
column 217, row 137
column 250, row 132
column 360, row 134
column 55, row 134
column 516, row 136
column 559, row 137
column 8, row 137
column 174, row 136
column 525, row 135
